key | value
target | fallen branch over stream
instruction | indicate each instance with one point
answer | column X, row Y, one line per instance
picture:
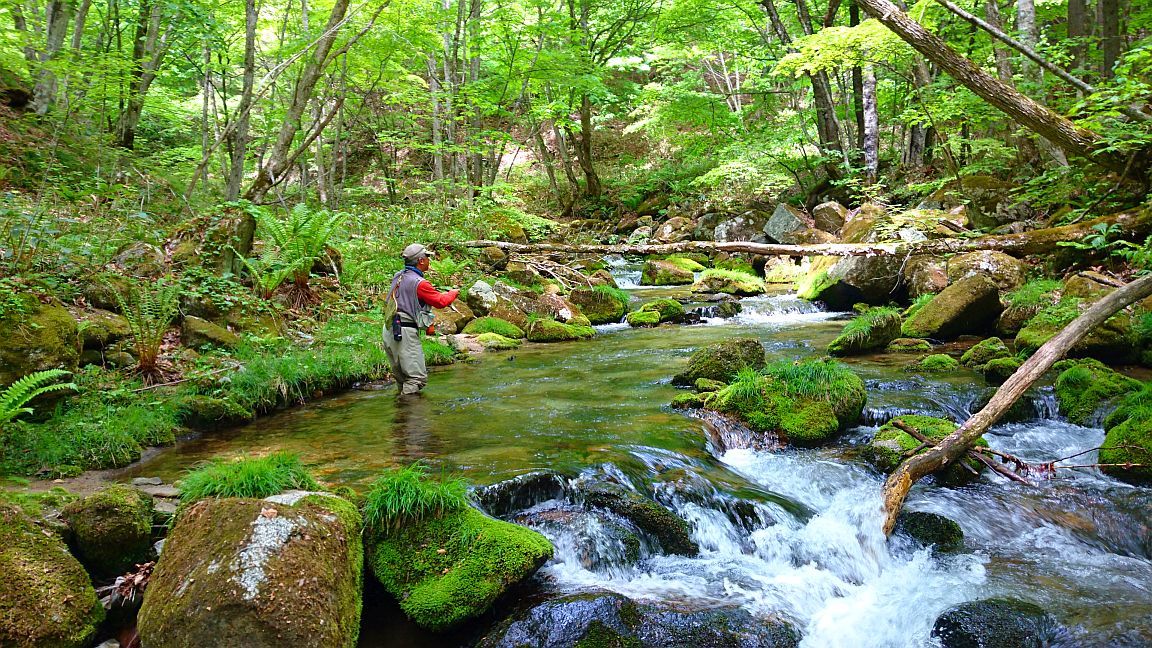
column 1134, row 225
column 957, row 444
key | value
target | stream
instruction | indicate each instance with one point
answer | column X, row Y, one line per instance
column 1080, row 545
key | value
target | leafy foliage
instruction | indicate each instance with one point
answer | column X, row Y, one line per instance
column 15, row 397
column 258, row 477
column 407, row 495
column 150, row 311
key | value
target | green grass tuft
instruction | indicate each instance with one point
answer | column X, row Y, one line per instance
column 746, row 392
column 1034, row 294
column 619, row 295
column 437, row 354
column 255, row 477
column 814, row 379
column 857, row 332
column 406, row 495
column 494, row 325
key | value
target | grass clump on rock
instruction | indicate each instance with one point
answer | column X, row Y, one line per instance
column 889, row 447
column 496, row 325
column 437, row 354
column 253, row 477
column 407, row 495
column 875, row 329
column 1085, row 387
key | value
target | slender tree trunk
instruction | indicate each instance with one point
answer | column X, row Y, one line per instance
column 149, row 48
column 1110, row 40
column 592, row 186
column 857, row 82
column 57, row 18
column 871, row 126
column 1003, row 63
column 239, row 137
column 437, row 121
column 1019, row 107
column 1078, row 29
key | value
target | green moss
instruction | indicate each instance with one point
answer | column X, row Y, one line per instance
column 889, row 447
column 984, row 352
column 1035, row 294
column 452, row 568
column 601, row 304
column 45, row 336
column 737, row 264
column 721, row 361
column 1085, row 387
column 733, row 282
column 549, row 330
column 494, row 325
column 817, row 280
column 703, row 385
column 931, row 529
column 908, row 345
column 497, row 342
column 669, row 529
column 669, row 309
column 1130, row 442
column 664, row 273
column 112, row 529
column 206, row 412
column 688, row 400
column 872, row 330
column 938, row 363
column 437, row 354
column 998, row 370
column 642, row 318
column 685, row 263
column 601, row 636
column 254, row 477
column 917, row 304
column 46, row 598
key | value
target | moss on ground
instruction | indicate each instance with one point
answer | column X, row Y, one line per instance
column 1085, row 387
column 908, row 345
column 890, row 445
column 452, row 568
column 437, row 354
column 46, row 598
column 496, row 325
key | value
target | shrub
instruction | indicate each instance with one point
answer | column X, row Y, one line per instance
column 255, row 477
column 407, row 495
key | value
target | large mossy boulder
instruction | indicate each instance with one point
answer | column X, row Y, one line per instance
column 733, row 282
column 1110, row 341
column 196, row 333
column 804, row 403
column 1127, row 450
column 786, row 225
column 608, row 620
column 36, row 337
column 667, row 310
column 970, row 305
column 669, row 529
column 501, row 300
column 925, row 275
column 282, row 571
column 873, row 330
column 643, row 318
column 721, row 361
column 890, row 445
column 549, row 330
column 994, row 623
column 453, row 319
column 100, row 329
column 664, row 273
column 448, row 569
column 489, row 324
column 1008, row 272
column 111, row 529
column 1085, row 388
column 46, row 598
column 601, row 304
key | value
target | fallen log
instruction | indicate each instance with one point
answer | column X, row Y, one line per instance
column 1134, row 225
column 957, row 444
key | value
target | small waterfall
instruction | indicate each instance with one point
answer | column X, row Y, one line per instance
column 626, row 273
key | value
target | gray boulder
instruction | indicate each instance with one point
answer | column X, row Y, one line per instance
column 786, row 225
column 1008, row 272
column 830, row 216
column 969, row 306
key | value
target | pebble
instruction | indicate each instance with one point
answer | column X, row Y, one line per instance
column 147, row 481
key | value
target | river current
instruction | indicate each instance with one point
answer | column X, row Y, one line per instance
column 1078, row 545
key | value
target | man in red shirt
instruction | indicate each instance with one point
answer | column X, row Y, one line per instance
column 413, row 297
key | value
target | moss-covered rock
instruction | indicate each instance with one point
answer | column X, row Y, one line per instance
column 1008, row 272
column 196, row 333
column 100, row 329
column 643, row 318
column 998, row 370
column 601, row 305
column 890, row 445
column 875, row 329
column 721, row 361
column 548, row 330
column 669, row 309
column 46, row 598
column 453, row 319
column 1110, row 342
column 804, row 403
column 970, row 305
column 1084, row 388
column 732, row 282
column 908, row 345
column 1129, row 438
column 286, row 570
column 208, row 413
column 111, row 529
column 452, row 568
column 669, row 529
column 703, row 385
column 496, row 325
column 984, row 352
column 689, row 400
column 664, row 273
column 43, row 336
column 497, row 342
column 937, row 363
column 994, row 623
column 931, row 529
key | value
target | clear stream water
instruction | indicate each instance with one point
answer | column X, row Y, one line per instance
column 1079, row 546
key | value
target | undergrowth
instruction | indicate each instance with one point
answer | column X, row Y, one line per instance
column 408, row 495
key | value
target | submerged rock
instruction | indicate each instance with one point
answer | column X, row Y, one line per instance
column 721, row 361
column 1086, row 387
column 995, row 623
column 520, row 492
column 46, row 598
column 605, row 619
column 282, row 571
column 970, row 305
column 875, row 329
column 669, row 529
column 890, row 445
column 931, row 529
column 111, row 529
column 451, row 568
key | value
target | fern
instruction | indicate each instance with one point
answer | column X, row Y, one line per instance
column 268, row 272
column 301, row 239
column 15, row 398
column 150, row 311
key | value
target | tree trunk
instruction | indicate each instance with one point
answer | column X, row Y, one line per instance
column 1110, row 40
column 957, row 444
column 239, row 137
column 592, row 186
column 276, row 162
column 149, row 48
column 871, row 127
column 918, row 134
column 1003, row 64
column 1024, row 110
column 857, row 82
column 59, row 15
column 1078, row 30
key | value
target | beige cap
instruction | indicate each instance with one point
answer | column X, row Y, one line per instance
column 415, row 252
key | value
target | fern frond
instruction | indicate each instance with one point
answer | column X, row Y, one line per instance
column 15, row 397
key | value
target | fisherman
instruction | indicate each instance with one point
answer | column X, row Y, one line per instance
column 408, row 310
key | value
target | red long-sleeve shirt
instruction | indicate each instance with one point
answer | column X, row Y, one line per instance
column 434, row 298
